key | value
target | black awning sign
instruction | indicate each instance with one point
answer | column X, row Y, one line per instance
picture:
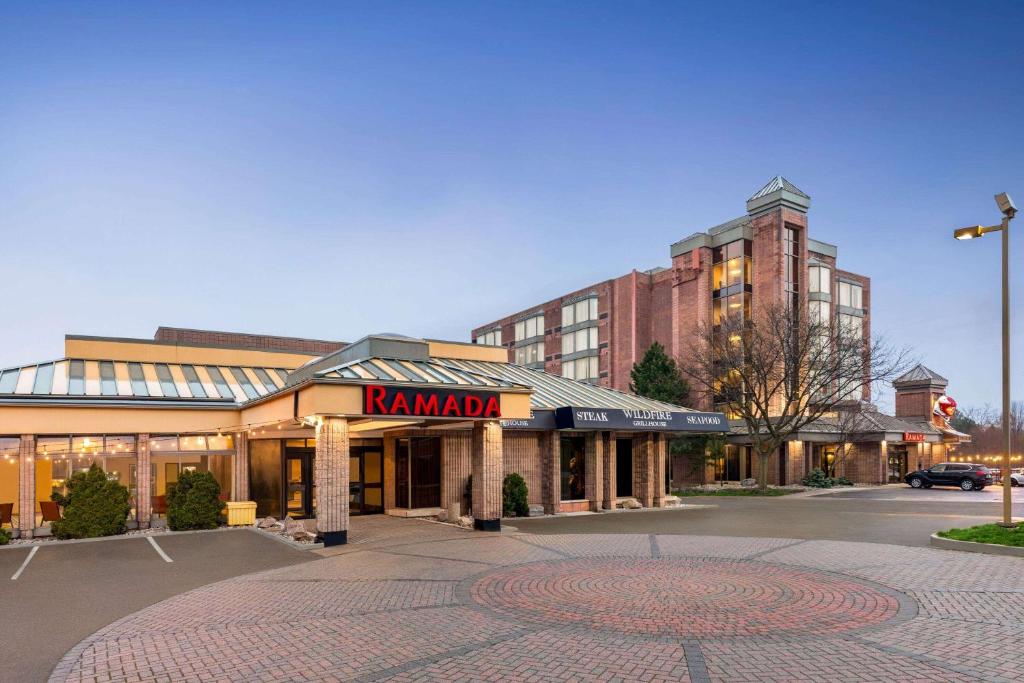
column 640, row 420
column 539, row 419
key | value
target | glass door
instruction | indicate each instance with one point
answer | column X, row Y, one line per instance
column 366, row 490
column 298, row 484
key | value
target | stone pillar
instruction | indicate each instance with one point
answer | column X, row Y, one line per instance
column 550, row 471
column 27, row 485
column 390, row 444
column 660, row 456
column 608, row 499
column 488, row 471
column 143, row 482
column 594, row 470
column 240, row 468
column 332, row 480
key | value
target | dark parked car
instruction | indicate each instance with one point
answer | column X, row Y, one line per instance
column 967, row 476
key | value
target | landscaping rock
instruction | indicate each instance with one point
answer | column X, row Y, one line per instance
column 631, row 504
column 536, row 511
column 267, row 523
column 748, row 483
column 673, row 501
column 466, row 521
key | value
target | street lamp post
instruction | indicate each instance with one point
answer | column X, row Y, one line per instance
column 1009, row 210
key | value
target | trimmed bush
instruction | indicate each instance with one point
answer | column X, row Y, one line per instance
column 514, row 495
column 817, row 479
column 94, row 506
column 193, row 502
column 5, row 536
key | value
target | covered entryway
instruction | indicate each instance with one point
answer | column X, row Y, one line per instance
column 623, row 468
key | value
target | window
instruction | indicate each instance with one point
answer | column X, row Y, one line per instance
column 492, row 338
column 820, row 312
column 243, row 381
column 851, row 295
column 264, row 378
column 531, row 353
column 531, row 327
column 76, row 378
column 579, row 311
column 580, row 340
column 138, row 379
column 581, row 368
column 732, row 266
column 163, row 374
column 194, row 385
column 851, row 326
column 218, row 381
column 108, row 384
column 791, row 263
column 9, row 380
column 44, row 379
column 732, row 308
column 819, row 279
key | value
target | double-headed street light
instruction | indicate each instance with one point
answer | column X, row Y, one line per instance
column 1009, row 210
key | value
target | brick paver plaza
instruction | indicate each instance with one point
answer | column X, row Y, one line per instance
column 411, row 600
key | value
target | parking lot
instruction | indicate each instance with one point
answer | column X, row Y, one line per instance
column 57, row 594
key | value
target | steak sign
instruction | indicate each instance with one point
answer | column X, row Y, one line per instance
column 641, row 420
column 401, row 401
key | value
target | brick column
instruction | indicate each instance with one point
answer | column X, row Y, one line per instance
column 643, row 469
column 594, row 470
column 488, row 470
column 332, row 480
column 550, row 471
column 143, row 482
column 27, row 485
column 389, row 473
column 608, row 500
column 660, row 456
column 240, row 468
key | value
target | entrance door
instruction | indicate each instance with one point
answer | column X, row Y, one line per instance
column 298, row 483
column 366, row 492
column 897, row 464
column 623, row 467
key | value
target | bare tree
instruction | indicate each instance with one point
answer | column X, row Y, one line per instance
column 782, row 369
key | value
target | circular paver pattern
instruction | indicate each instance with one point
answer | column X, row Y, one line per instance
column 684, row 597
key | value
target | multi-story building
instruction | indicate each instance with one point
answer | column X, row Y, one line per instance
column 597, row 333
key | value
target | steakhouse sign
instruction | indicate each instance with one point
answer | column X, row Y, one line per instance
column 380, row 400
column 642, row 420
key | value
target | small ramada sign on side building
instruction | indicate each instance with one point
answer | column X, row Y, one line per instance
column 913, row 436
column 401, row 401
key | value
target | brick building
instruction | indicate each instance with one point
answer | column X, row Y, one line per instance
column 598, row 332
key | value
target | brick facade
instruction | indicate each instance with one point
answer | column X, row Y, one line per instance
column 144, row 497
column 488, row 472
column 239, row 340
column 332, row 480
column 27, row 485
column 668, row 305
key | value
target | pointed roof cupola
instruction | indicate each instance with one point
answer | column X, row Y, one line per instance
column 778, row 192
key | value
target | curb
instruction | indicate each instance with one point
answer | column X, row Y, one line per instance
column 119, row 537
column 937, row 541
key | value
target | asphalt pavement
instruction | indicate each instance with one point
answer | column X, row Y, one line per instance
column 891, row 514
column 65, row 592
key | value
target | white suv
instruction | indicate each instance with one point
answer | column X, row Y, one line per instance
column 1017, row 477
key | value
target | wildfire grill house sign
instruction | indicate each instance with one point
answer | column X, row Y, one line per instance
column 380, row 400
column 641, row 420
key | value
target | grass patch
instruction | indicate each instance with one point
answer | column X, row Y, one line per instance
column 733, row 492
column 987, row 533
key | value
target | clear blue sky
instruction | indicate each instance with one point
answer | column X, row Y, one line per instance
column 329, row 170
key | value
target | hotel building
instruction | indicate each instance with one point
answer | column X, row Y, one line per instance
column 323, row 430
column 766, row 256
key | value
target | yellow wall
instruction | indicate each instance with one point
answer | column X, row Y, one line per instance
column 9, row 482
column 145, row 351
column 74, row 420
column 515, row 406
column 442, row 349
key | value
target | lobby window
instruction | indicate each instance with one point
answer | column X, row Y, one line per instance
column 531, row 353
column 819, row 279
column 573, row 468
column 492, row 338
column 172, row 455
column 582, row 368
column 418, row 472
column 579, row 311
column 732, row 308
column 59, row 457
column 731, row 266
column 531, row 327
column 580, row 340
column 851, row 295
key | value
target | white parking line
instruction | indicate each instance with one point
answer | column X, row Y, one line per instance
column 158, row 549
column 31, row 554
